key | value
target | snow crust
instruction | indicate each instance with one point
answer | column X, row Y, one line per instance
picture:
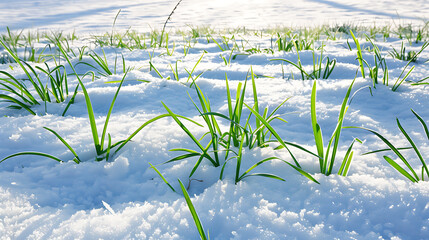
column 125, row 199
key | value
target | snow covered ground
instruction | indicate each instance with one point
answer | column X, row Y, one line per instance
column 92, row 16
column 125, row 199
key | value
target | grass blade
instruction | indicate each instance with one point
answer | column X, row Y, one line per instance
column 65, row 143
column 317, row 131
column 186, row 130
column 338, row 129
column 193, row 212
column 163, row 178
column 271, row 129
column 304, row 173
column 31, row 153
column 359, row 54
column 416, row 150
column 256, row 106
column 345, row 165
column 394, row 149
column 88, row 104
column 425, row 127
column 16, row 101
column 147, row 123
column 106, row 122
column 268, row 175
column 399, row 169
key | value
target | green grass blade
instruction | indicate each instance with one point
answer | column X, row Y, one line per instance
column 183, row 150
column 31, row 153
column 106, row 122
column 304, row 173
column 90, row 65
column 184, row 128
column 193, row 212
column 16, row 101
column 425, row 127
column 91, row 120
column 338, row 129
column 278, row 107
column 345, row 165
column 298, row 66
column 70, row 101
column 19, row 86
column 416, row 150
column 163, row 178
column 19, row 92
column 394, row 149
column 348, row 158
column 210, row 120
column 195, row 66
column 17, row 60
column 384, row 150
column 181, row 157
column 225, row 117
column 88, row 104
column 197, row 164
column 147, row 123
column 399, row 169
column 317, row 131
column 64, row 142
column 156, row 70
column 296, row 146
column 239, row 157
column 359, row 54
column 38, row 86
column 268, row 175
column 257, row 164
column 271, row 129
column 256, row 106
column 400, row 81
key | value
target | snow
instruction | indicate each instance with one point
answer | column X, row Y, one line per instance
column 125, row 199
column 91, row 16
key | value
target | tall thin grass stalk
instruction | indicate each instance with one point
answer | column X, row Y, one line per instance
column 214, row 130
column 327, row 159
column 166, row 21
column 359, row 54
column 113, row 26
column 194, row 213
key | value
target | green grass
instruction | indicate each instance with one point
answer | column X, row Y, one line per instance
column 249, row 125
column 380, row 63
column 102, row 63
column 54, row 88
column 103, row 145
column 408, row 171
column 194, row 214
column 237, row 137
column 320, row 70
column 204, row 154
column 403, row 77
column 402, row 54
column 327, row 156
column 359, row 54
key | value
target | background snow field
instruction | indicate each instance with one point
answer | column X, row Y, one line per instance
column 91, row 16
column 124, row 198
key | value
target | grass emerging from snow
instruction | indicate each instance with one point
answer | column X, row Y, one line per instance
column 168, row 78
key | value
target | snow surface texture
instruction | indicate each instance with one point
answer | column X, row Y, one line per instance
column 124, row 199
column 93, row 16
